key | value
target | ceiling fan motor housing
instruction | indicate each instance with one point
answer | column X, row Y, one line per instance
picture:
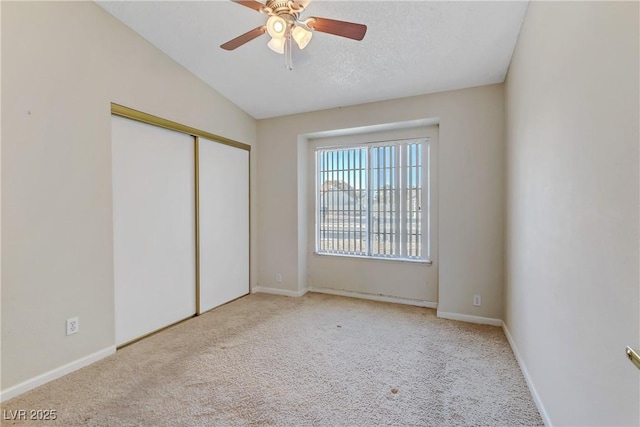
column 282, row 9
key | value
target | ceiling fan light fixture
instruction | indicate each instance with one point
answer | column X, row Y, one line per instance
column 276, row 44
column 276, row 26
column 301, row 36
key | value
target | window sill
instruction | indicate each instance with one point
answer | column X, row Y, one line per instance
column 427, row 262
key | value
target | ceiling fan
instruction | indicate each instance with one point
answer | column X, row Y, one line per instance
column 284, row 25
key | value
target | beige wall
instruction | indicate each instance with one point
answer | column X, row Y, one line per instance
column 63, row 63
column 572, row 238
column 471, row 173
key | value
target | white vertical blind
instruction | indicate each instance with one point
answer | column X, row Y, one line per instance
column 370, row 200
column 224, row 223
column 154, row 227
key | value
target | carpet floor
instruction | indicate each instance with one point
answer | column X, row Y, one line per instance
column 320, row 360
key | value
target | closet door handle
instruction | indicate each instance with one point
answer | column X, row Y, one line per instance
column 633, row 356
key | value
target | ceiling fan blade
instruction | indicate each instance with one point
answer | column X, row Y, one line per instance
column 337, row 28
column 251, row 4
column 244, row 38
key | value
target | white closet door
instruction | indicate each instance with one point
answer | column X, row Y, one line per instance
column 224, row 223
column 154, row 227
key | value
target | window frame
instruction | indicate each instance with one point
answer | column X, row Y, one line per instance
column 400, row 191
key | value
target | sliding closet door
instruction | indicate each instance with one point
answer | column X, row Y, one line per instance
column 224, row 223
column 154, row 227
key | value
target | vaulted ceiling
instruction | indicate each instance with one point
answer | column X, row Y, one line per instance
column 411, row 48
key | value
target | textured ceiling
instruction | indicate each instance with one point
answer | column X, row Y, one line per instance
column 411, row 48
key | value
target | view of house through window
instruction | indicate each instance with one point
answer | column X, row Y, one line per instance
column 371, row 200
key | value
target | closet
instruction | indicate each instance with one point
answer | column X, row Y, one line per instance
column 224, row 223
column 180, row 222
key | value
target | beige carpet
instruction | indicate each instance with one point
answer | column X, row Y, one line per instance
column 317, row 360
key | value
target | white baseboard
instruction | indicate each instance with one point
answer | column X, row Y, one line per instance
column 527, row 377
column 276, row 291
column 469, row 318
column 32, row 383
column 383, row 298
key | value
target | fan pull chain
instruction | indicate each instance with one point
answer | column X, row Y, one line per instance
column 288, row 59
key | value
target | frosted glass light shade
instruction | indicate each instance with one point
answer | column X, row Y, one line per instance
column 276, row 26
column 277, row 44
column 301, row 36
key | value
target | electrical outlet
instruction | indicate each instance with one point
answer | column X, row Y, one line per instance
column 73, row 326
column 477, row 300
column 278, row 277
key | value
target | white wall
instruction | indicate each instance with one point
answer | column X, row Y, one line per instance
column 63, row 63
column 572, row 289
column 471, row 174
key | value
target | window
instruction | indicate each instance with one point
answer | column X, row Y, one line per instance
column 372, row 201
